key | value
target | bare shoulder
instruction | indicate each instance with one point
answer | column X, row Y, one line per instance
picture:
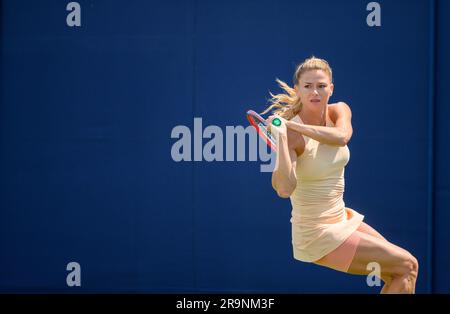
column 339, row 109
column 339, row 106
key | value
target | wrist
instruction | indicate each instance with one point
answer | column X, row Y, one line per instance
column 282, row 136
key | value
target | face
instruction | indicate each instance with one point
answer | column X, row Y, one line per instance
column 314, row 89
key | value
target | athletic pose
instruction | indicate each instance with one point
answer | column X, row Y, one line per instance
column 312, row 154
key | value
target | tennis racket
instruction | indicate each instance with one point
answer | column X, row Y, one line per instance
column 261, row 127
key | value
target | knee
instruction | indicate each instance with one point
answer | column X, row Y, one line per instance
column 410, row 266
column 415, row 264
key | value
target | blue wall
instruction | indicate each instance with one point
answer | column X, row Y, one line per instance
column 441, row 276
column 87, row 113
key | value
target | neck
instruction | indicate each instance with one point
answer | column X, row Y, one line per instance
column 314, row 118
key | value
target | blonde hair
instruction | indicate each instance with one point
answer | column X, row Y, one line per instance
column 288, row 105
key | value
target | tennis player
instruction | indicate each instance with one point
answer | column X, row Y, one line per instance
column 312, row 155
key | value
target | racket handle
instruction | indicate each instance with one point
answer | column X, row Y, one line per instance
column 276, row 122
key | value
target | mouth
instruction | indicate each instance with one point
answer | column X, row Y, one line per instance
column 315, row 100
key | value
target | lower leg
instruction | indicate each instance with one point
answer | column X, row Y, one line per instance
column 405, row 284
column 387, row 283
column 385, row 288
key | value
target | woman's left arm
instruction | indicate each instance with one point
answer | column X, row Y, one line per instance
column 339, row 135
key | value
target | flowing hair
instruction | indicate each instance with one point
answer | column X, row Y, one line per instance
column 288, row 104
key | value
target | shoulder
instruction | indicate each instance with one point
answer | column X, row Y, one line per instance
column 339, row 109
column 339, row 106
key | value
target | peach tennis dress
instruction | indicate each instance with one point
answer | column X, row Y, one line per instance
column 320, row 221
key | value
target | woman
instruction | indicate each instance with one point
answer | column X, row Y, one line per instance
column 312, row 155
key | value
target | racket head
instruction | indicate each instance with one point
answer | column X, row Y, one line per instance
column 261, row 126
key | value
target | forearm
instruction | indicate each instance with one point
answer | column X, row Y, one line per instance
column 283, row 177
column 324, row 134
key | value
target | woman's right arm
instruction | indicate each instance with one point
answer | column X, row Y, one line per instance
column 284, row 179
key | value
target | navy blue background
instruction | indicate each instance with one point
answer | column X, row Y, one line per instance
column 86, row 120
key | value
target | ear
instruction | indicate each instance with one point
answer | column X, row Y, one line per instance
column 332, row 88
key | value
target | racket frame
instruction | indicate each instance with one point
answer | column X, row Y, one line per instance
column 260, row 124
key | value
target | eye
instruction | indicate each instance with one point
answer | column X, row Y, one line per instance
column 322, row 86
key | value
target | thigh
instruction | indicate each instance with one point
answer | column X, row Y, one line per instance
column 392, row 259
column 341, row 258
column 365, row 228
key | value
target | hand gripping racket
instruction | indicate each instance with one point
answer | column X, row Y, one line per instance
column 261, row 127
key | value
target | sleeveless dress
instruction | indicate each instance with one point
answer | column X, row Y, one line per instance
column 320, row 221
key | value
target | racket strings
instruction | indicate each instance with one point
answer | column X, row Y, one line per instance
column 262, row 128
column 266, row 131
